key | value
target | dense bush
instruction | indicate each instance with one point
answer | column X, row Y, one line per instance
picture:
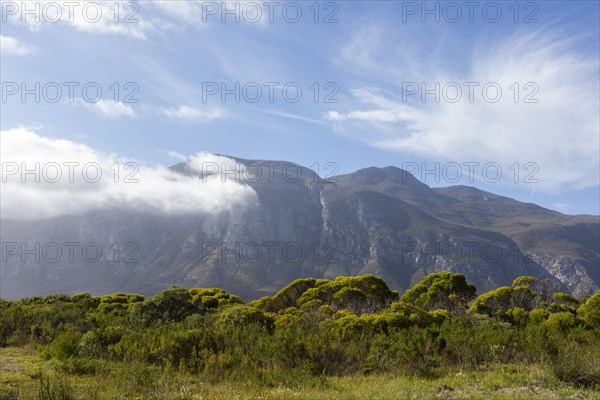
column 590, row 311
column 316, row 327
column 442, row 290
column 359, row 294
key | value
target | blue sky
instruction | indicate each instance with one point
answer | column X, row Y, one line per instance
column 361, row 77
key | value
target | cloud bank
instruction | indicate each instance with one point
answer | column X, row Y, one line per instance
column 46, row 177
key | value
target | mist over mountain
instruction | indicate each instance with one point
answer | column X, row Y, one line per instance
column 381, row 221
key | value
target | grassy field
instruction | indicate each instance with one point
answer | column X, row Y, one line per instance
column 26, row 375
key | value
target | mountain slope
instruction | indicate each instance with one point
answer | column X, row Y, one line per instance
column 376, row 220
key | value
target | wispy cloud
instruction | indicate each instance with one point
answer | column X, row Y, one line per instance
column 188, row 113
column 290, row 116
column 176, row 156
column 559, row 132
column 189, row 12
column 202, row 13
column 11, row 45
column 563, row 207
column 110, row 109
column 114, row 17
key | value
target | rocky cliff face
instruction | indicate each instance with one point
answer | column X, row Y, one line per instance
column 377, row 220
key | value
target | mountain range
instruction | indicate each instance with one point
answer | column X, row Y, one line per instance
column 381, row 221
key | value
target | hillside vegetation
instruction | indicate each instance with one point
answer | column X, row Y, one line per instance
column 316, row 338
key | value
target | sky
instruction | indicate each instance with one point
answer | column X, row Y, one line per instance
column 503, row 96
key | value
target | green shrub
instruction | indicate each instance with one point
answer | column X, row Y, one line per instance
column 563, row 321
column 442, row 290
column 240, row 314
column 504, row 298
column 171, row 305
column 517, row 316
column 65, row 345
column 360, row 294
column 538, row 315
column 212, row 297
column 590, row 311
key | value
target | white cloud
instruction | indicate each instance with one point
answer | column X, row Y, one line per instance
column 559, row 133
column 113, row 109
column 187, row 11
column 207, row 163
column 177, row 156
column 110, row 109
column 562, row 207
column 296, row 117
column 193, row 114
column 374, row 115
column 135, row 19
column 137, row 187
column 10, row 45
column 200, row 13
column 114, row 17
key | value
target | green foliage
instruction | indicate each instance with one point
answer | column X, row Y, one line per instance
column 86, row 300
column 359, row 294
column 212, row 297
column 527, row 281
column 561, row 321
column 121, row 298
column 286, row 297
column 565, row 298
column 98, row 342
column 590, row 311
column 543, row 289
column 311, row 328
column 504, row 298
column 174, row 304
column 66, row 344
column 538, row 315
column 516, row 316
column 55, row 298
column 443, row 290
column 240, row 314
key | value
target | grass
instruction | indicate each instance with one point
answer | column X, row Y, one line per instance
column 26, row 375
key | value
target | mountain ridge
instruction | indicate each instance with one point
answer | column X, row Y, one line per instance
column 374, row 220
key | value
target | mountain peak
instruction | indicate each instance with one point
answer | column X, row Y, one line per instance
column 376, row 175
column 380, row 220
